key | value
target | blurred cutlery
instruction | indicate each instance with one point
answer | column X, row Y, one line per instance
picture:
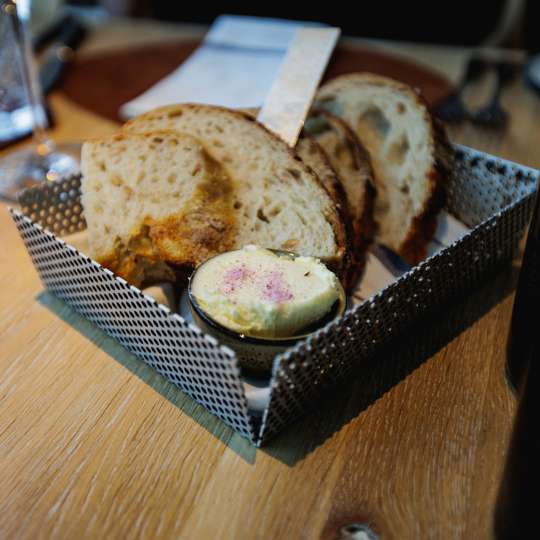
column 453, row 108
column 493, row 115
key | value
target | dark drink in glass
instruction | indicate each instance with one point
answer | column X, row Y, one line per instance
column 515, row 512
column 525, row 325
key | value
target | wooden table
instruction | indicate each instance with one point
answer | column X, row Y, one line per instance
column 94, row 444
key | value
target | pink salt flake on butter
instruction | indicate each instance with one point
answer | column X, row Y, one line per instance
column 275, row 287
column 234, row 277
column 256, row 292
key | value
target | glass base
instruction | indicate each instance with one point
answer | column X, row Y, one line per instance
column 25, row 168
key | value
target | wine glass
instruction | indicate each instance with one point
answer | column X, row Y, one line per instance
column 22, row 104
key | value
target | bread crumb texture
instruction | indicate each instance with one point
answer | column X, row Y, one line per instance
column 183, row 183
column 394, row 125
column 279, row 202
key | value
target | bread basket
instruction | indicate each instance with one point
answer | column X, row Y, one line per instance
column 493, row 197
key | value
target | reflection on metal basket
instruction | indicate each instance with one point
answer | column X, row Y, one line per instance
column 491, row 196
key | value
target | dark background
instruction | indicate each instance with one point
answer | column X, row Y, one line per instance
column 408, row 20
column 457, row 22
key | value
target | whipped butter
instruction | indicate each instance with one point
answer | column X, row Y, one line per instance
column 256, row 292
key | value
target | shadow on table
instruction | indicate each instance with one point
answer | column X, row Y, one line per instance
column 149, row 376
column 388, row 368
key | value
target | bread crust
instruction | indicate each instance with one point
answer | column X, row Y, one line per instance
column 422, row 229
column 335, row 190
column 331, row 212
column 366, row 228
column 414, row 247
column 362, row 223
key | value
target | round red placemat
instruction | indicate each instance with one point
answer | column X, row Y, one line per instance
column 103, row 83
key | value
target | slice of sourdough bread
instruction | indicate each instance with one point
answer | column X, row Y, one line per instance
column 314, row 157
column 352, row 164
column 279, row 202
column 155, row 204
column 409, row 153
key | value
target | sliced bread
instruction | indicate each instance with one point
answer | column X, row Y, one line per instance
column 155, row 204
column 408, row 150
column 352, row 164
column 314, row 157
column 279, row 202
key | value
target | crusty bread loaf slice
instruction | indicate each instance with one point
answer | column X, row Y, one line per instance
column 155, row 204
column 409, row 153
column 352, row 164
column 314, row 157
column 279, row 202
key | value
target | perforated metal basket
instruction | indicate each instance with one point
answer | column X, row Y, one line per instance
column 491, row 196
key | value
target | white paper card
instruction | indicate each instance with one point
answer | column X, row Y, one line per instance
column 234, row 67
column 290, row 97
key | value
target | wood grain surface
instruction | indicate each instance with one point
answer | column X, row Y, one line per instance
column 94, row 444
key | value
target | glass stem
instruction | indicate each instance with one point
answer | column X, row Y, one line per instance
column 44, row 144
